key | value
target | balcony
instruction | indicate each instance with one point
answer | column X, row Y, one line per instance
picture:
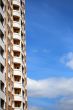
column 16, row 24
column 17, row 84
column 17, row 97
column 23, row 29
column 26, row 98
column 2, row 44
column 17, row 59
column 26, row 87
column 16, row 2
column 17, row 72
column 24, row 64
column 2, row 60
column 2, row 95
column 16, row 13
column 16, row 36
column 23, row 19
column 1, row 11
column 18, row 108
column 1, row 27
column 23, row 75
column 23, row 99
column 25, row 53
column 23, row 86
column 25, row 40
column 2, row 77
column 16, row 47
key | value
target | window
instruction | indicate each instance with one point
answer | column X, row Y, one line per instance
column 1, row 68
column 15, row 7
column 17, row 42
column 15, row 18
column 1, row 86
column 1, row 19
column 1, row 51
column 17, row 104
column 16, row 30
column 1, row 4
column 2, row 103
column 1, row 35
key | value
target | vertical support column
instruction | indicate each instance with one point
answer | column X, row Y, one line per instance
column 6, row 46
column 8, row 49
column 25, row 69
column 11, row 57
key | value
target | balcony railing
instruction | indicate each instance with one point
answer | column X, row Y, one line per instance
column 16, row 47
column 1, row 27
column 16, row 36
column 16, row 2
column 16, row 24
column 16, row 13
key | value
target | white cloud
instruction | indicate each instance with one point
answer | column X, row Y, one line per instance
column 67, row 59
column 66, row 100
column 57, row 106
column 50, row 88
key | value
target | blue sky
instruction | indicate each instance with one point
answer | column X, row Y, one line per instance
column 49, row 37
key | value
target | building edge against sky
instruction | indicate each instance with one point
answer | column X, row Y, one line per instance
column 13, row 80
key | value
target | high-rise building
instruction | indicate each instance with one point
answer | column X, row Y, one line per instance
column 14, row 53
column 2, row 60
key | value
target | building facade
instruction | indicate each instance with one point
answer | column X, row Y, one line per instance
column 2, row 59
column 15, row 55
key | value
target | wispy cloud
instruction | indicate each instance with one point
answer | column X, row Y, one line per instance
column 67, row 59
column 35, row 108
column 45, row 50
column 35, row 51
column 50, row 88
column 52, row 107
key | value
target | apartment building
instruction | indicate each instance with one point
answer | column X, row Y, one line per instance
column 2, row 60
column 14, row 52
